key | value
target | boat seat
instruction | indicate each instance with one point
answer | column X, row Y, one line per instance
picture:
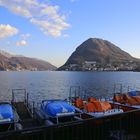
column 91, row 99
column 119, row 99
column 105, row 106
column 101, row 106
column 79, row 103
column 137, row 98
column 90, row 107
column 98, row 106
column 130, row 100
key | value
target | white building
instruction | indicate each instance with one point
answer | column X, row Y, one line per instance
column 89, row 65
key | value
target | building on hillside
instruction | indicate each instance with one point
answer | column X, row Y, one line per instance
column 89, row 65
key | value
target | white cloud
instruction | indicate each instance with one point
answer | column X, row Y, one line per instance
column 47, row 17
column 7, row 30
column 23, row 12
column 25, row 36
column 48, row 28
column 21, row 43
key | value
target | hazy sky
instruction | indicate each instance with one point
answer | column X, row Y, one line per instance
column 52, row 29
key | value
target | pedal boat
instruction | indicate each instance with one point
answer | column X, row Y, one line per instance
column 57, row 111
column 96, row 108
column 8, row 117
column 130, row 99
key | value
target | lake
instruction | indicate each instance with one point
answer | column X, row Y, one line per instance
column 56, row 84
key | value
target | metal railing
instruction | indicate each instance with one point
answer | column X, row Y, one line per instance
column 123, row 126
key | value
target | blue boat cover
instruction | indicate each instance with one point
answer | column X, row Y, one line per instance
column 132, row 93
column 6, row 111
column 52, row 108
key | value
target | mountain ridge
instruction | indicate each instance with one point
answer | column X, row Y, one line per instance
column 101, row 51
column 10, row 62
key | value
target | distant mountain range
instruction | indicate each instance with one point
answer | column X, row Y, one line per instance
column 10, row 62
column 102, row 55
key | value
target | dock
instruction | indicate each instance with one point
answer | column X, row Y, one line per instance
column 22, row 110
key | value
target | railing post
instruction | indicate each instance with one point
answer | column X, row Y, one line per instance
column 25, row 94
column 27, row 100
column 12, row 96
column 121, row 88
column 33, row 108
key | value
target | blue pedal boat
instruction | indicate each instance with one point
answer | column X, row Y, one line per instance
column 8, row 116
column 58, row 111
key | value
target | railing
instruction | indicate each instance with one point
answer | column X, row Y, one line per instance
column 123, row 126
column 19, row 95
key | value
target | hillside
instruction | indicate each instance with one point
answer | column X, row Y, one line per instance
column 10, row 62
column 103, row 53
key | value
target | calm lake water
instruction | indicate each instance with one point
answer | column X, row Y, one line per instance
column 48, row 85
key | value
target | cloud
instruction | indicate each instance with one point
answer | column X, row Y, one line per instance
column 21, row 43
column 25, row 36
column 7, row 30
column 47, row 17
column 23, row 12
column 49, row 28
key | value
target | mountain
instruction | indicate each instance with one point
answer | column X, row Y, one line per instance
column 16, row 62
column 105, row 54
column 6, row 54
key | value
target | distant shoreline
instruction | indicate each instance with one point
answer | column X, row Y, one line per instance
column 67, row 71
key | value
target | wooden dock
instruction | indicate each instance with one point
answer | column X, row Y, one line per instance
column 22, row 110
column 26, row 119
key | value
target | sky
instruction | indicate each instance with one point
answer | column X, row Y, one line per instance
column 52, row 29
